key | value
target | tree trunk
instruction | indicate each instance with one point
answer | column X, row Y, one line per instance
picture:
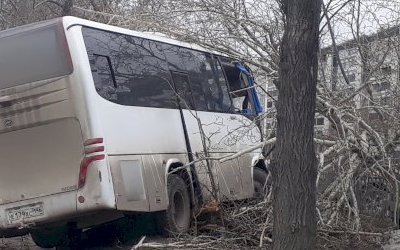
column 294, row 168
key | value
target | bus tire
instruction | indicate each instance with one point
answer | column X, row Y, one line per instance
column 176, row 219
column 47, row 238
column 59, row 237
column 260, row 178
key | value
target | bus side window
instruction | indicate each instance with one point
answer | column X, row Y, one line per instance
column 207, row 82
column 128, row 70
column 183, row 91
column 239, row 92
column 103, row 76
column 216, row 86
column 188, row 61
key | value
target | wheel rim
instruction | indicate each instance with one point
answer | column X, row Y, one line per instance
column 179, row 210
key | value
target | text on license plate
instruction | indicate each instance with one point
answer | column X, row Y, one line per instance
column 24, row 212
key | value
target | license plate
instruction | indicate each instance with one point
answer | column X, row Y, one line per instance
column 24, row 212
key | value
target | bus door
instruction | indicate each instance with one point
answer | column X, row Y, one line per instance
column 185, row 104
column 207, row 127
column 246, row 107
column 205, row 110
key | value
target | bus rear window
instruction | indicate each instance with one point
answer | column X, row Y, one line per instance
column 33, row 55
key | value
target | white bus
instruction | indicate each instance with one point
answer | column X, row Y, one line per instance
column 94, row 118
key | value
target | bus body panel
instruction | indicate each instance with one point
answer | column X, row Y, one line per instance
column 40, row 161
column 246, row 173
column 127, row 140
column 41, row 150
column 139, row 181
column 143, row 130
column 59, row 209
column 226, row 134
column 129, row 183
column 146, row 150
column 44, row 125
column 98, row 192
column 155, row 169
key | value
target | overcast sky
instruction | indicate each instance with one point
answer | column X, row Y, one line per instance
column 374, row 15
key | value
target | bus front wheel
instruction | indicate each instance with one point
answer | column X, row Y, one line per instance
column 261, row 183
column 176, row 219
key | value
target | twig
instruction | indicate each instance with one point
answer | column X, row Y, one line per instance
column 139, row 244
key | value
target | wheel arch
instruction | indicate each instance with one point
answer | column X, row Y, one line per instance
column 184, row 173
column 259, row 162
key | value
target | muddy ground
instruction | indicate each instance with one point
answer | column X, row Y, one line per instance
column 18, row 243
column 120, row 235
column 26, row 243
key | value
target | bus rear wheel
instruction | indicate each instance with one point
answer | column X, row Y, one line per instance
column 47, row 238
column 261, row 185
column 176, row 219
column 56, row 237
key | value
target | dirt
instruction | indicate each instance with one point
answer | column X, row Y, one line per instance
column 106, row 237
column 26, row 243
column 18, row 243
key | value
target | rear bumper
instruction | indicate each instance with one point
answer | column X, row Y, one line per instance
column 57, row 207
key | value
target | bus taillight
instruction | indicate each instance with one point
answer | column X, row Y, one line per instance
column 90, row 157
column 93, row 141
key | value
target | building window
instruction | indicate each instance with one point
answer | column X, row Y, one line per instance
column 373, row 116
column 385, row 100
column 375, row 87
column 386, row 70
column 324, row 58
column 270, row 104
column 385, row 86
column 319, row 121
column 351, row 77
column 273, row 93
column 318, row 133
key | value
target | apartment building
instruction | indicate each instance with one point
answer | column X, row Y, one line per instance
column 368, row 66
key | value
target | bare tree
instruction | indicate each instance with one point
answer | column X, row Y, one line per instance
column 361, row 122
column 294, row 166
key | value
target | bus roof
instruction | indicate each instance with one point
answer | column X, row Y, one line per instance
column 70, row 21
